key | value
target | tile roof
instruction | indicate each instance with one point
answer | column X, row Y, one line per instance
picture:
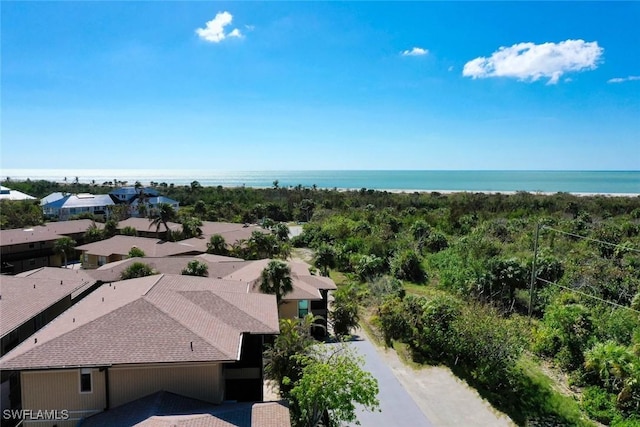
column 165, row 409
column 154, row 319
column 121, row 245
column 25, row 295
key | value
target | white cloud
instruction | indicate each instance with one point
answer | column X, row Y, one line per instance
column 530, row 62
column 416, row 51
column 623, row 79
column 214, row 30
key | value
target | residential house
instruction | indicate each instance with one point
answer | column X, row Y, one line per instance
column 196, row 337
column 117, row 248
column 144, row 228
column 134, row 197
column 30, row 248
column 233, row 233
column 76, row 204
column 29, row 301
column 9, row 194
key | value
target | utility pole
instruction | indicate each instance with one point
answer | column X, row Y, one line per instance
column 533, row 270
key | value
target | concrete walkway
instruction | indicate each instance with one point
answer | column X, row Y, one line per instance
column 442, row 399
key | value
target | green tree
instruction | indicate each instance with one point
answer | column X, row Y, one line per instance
column 191, row 227
column 344, row 314
column 333, row 381
column 217, row 245
column 407, row 265
column 325, row 258
column 137, row 269
column 93, row 234
column 64, row 246
column 196, row 268
column 163, row 213
column 129, row 231
column 135, row 252
column 281, row 231
column 279, row 358
column 276, row 279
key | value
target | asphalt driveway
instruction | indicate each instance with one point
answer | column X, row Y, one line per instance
column 398, row 407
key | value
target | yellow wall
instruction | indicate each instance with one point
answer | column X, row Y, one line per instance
column 47, row 390
column 288, row 310
column 202, row 382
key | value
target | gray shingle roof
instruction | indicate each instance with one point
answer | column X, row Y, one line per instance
column 121, row 245
column 155, row 319
column 43, row 233
column 21, row 300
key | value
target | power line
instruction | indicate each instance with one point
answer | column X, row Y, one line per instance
column 592, row 239
column 587, row 295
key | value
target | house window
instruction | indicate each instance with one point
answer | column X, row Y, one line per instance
column 102, row 260
column 86, row 383
column 31, row 245
column 303, row 308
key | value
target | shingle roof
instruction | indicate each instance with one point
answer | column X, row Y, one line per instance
column 121, row 245
column 144, row 224
column 170, row 265
column 165, row 409
column 47, row 232
column 30, row 293
column 155, row 319
column 233, row 270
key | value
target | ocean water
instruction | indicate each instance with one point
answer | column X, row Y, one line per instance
column 604, row 182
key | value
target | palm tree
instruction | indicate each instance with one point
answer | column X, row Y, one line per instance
column 161, row 215
column 65, row 246
column 325, row 259
column 276, row 279
column 217, row 245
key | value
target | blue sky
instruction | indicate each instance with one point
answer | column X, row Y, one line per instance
column 311, row 85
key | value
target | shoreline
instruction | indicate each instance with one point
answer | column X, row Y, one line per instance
column 394, row 190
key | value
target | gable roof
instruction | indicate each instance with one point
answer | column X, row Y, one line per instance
column 52, row 198
column 165, row 409
column 28, row 294
column 121, row 245
column 154, row 319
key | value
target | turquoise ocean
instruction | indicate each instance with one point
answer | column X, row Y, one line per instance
column 604, row 182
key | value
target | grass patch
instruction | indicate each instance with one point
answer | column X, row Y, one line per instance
column 533, row 399
column 423, row 290
column 338, row 277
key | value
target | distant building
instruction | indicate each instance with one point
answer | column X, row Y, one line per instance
column 29, row 248
column 76, row 204
column 9, row 194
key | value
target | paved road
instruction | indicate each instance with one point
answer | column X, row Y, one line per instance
column 398, row 408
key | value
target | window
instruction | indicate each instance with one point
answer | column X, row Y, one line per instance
column 102, row 260
column 303, row 308
column 85, row 380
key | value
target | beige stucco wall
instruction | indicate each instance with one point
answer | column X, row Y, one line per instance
column 288, row 310
column 202, row 382
column 49, row 390
column 60, row 389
